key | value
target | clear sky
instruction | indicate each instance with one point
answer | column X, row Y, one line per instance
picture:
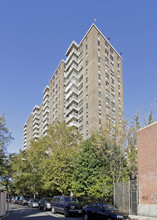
column 35, row 34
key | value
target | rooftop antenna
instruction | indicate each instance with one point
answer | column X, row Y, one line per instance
column 94, row 20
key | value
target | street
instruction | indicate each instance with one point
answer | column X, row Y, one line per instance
column 18, row 212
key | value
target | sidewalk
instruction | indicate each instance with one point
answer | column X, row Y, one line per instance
column 137, row 217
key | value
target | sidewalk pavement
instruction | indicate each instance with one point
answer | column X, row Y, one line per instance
column 137, row 217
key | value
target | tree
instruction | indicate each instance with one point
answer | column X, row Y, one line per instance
column 5, row 138
column 63, row 146
column 95, row 169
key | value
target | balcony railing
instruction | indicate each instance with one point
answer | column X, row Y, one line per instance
column 73, row 106
column 73, row 59
column 71, row 116
column 73, row 67
column 70, row 54
column 72, row 98
column 74, row 123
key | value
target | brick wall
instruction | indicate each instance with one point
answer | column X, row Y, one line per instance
column 147, row 164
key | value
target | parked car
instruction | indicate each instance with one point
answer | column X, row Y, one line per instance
column 45, row 203
column 16, row 200
column 103, row 211
column 66, row 205
column 23, row 200
column 34, row 203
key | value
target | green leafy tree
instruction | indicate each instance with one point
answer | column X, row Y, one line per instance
column 5, row 138
column 97, row 166
column 91, row 177
column 63, row 146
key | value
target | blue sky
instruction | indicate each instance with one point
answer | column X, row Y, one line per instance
column 35, row 34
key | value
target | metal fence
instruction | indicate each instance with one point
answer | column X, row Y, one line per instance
column 126, row 196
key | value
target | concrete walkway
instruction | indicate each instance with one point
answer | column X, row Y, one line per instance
column 137, row 217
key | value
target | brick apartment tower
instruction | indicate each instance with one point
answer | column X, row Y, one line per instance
column 85, row 90
column 147, row 170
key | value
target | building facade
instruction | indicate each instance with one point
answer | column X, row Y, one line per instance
column 87, row 88
column 147, row 170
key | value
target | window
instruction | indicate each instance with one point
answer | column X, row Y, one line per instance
column 86, row 123
column 112, row 80
column 98, row 43
column 99, row 59
column 99, row 104
column 111, row 57
column 107, row 84
column 80, row 78
column 112, row 73
column 86, row 88
column 106, row 68
column 106, row 43
column 81, row 102
column 86, row 46
column 107, row 109
column 99, row 76
column 98, row 52
column 107, row 93
column 107, row 76
column 99, row 112
column 86, row 62
column 86, row 71
column 81, row 119
column 86, row 97
column 112, row 88
column 81, row 128
column 99, row 94
column 107, row 101
column 111, row 50
column 106, row 60
column 80, row 87
column 113, row 105
column 86, row 105
column 86, row 79
column 108, row 117
column 100, row 85
column 86, row 132
column 113, row 112
column 112, row 96
column 106, row 52
column 81, row 110
column 86, row 114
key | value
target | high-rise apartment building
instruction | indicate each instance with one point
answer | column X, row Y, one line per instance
column 86, row 89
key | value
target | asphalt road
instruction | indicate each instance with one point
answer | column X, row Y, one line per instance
column 18, row 212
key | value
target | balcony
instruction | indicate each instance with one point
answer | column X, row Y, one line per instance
column 73, row 51
column 73, row 67
column 72, row 91
column 72, row 116
column 73, row 106
column 46, row 105
column 72, row 98
column 73, row 60
column 73, row 83
column 46, row 111
column 46, row 94
column 73, row 77
column 74, row 123
column 46, row 100
column 35, row 136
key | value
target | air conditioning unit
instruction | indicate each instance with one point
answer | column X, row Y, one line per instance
column 2, row 203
